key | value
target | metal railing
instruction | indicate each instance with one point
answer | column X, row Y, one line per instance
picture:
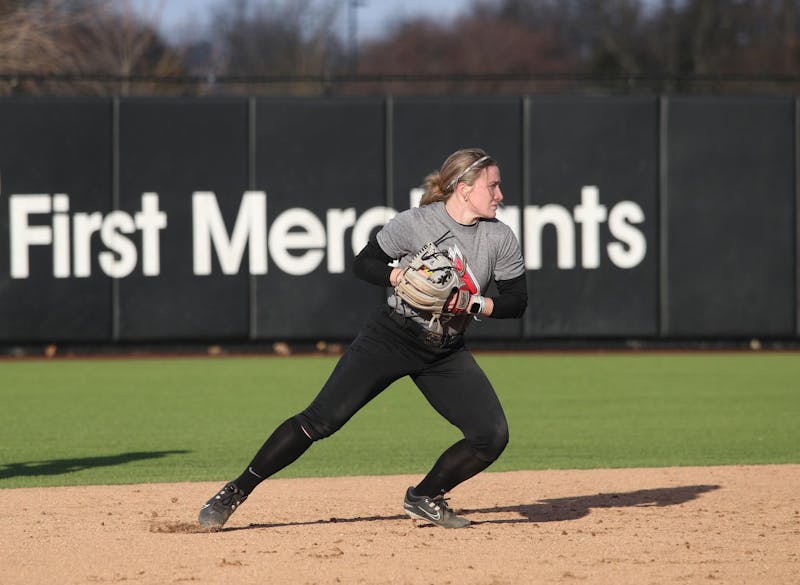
column 348, row 84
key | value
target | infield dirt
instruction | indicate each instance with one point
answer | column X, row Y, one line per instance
column 738, row 524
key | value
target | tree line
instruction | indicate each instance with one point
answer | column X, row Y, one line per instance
column 300, row 47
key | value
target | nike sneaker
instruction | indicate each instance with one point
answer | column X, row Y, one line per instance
column 434, row 510
column 216, row 511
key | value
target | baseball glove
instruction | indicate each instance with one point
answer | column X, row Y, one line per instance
column 429, row 281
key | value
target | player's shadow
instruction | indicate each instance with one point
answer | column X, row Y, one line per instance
column 550, row 510
column 64, row 466
column 572, row 508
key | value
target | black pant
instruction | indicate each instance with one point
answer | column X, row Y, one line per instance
column 449, row 378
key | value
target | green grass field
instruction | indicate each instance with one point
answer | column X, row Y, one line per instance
column 105, row 421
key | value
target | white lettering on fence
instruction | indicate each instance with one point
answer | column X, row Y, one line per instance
column 298, row 241
column 71, row 237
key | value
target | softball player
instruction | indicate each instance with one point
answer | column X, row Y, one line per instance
column 458, row 212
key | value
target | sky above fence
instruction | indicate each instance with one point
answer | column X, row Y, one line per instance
column 373, row 17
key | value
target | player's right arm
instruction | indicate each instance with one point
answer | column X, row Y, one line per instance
column 372, row 265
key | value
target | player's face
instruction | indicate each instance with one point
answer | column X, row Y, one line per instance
column 486, row 194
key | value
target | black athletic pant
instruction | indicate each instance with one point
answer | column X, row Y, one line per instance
column 384, row 351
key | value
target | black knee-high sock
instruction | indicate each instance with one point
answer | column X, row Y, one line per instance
column 455, row 465
column 284, row 446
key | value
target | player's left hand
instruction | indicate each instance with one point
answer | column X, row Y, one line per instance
column 459, row 301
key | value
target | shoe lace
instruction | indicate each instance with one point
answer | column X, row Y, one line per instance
column 230, row 495
column 441, row 501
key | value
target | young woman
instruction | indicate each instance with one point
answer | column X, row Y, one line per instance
column 458, row 211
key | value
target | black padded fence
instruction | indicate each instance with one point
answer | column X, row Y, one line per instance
column 149, row 220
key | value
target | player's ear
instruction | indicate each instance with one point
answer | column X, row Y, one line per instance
column 462, row 190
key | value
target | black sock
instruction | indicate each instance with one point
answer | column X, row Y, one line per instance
column 455, row 465
column 284, row 446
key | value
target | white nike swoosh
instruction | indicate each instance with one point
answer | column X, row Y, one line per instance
column 431, row 515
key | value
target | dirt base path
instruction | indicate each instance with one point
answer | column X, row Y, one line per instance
column 634, row 526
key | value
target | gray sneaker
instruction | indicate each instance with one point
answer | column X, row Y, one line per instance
column 434, row 510
column 216, row 511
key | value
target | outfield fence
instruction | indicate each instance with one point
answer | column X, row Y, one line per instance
column 172, row 220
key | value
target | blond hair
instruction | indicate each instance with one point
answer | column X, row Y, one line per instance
column 464, row 165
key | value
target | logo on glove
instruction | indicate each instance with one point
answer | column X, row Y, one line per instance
column 437, row 282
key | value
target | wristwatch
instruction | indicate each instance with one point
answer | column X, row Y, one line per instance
column 476, row 308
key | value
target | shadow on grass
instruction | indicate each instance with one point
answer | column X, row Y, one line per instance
column 552, row 510
column 64, row 466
